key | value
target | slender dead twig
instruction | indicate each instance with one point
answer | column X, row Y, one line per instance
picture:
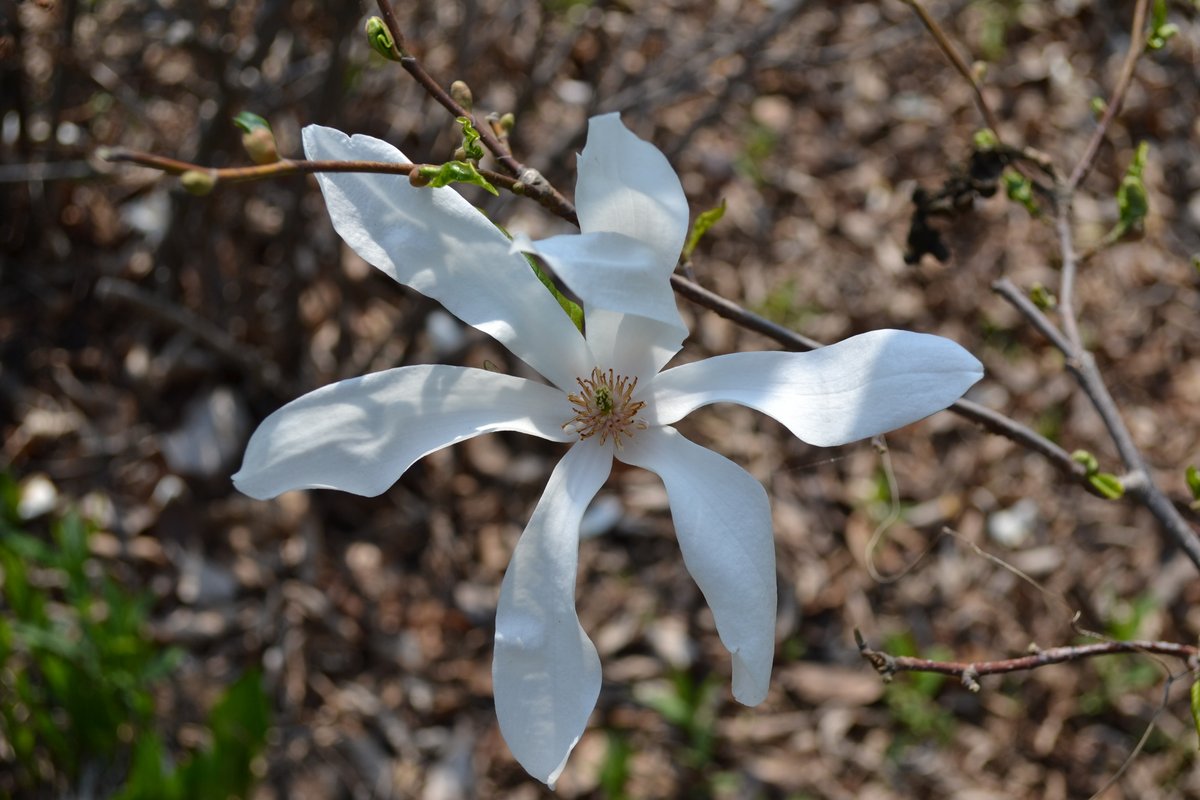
column 1137, row 46
column 538, row 187
column 961, row 66
column 1139, row 483
column 969, row 673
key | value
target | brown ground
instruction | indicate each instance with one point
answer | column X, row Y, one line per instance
column 373, row 617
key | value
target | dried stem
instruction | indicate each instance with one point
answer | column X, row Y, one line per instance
column 888, row 665
column 546, row 194
column 964, row 69
column 1137, row 45
column 1082, row 365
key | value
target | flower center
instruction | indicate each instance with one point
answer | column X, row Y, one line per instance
column 605, row 406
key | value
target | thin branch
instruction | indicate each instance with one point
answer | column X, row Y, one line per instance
column 1137, row 46
column 256, row 369
column 1070, row 268
column 540, row 188
column 1082, row 365
column 888, row 665
column 1009, row 291
column 947, row 47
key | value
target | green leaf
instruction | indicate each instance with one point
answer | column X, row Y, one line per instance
column 1020, row 189
column 250, row 122
column 455, row 172
column 470, row 143
column 1107, row 484
column 704, row 221
column 1131, row 195
column 574, row 311
column 1161, row 31
column 1196, row 704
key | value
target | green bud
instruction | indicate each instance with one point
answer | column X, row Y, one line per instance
column 1107, row 484
column 381, row 41
column 1099, row 106
column 1090, row 464
column 260, row 145
column 418, row 178
column 1192, row 476
column 1042, row 297
column 985, row 139
column 197, row 182
column 462, row 94
column 507, row 122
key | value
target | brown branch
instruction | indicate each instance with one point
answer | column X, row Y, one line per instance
column 537, row 186
column 947, row 47
column 888, row 665
column 1137, row 46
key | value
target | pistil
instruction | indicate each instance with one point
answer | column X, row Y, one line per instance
column 605, row 406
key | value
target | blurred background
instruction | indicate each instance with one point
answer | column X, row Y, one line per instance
column 163, row 636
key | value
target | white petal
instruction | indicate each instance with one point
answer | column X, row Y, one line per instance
column 545, row 672
column 439, row 244
column 857, row 388
column 723, row 522
column 360, row 435
column 633, row 346
column 616, row 279
column 609, row 271
column 627, row 186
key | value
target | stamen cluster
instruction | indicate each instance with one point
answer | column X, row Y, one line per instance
column 605, row 405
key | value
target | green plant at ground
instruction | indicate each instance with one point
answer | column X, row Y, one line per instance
column 79, row 672
column 912, row 699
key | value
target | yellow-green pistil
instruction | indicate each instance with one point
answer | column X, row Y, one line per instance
column 605, row 406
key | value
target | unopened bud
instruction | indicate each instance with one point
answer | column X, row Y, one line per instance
column 197, row 182
column 260, row 144
column 507, row 122
column 419, row 179
column 257, row 137
column 462, row 94
column 381, row 41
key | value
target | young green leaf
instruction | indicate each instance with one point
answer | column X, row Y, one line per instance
column 1161, row 31
column 1196, row 704
column 704, row 221
column 438, row 175
column 249, row 122
column 470, row 143
column 1192, row 476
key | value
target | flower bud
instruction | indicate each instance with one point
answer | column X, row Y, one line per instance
column 381, row 41
column 197, row 182
column 462, row 94
column 260, row 144
column 418, row 178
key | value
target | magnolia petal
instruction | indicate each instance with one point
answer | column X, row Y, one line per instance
column 627, row 186
column 723, row 522
column 361, row 434
column 609, row 271
column 631, row 345
column 436, row 242
column 858, row 388
column 545, row 672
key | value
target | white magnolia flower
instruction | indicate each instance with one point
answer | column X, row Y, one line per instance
column 608, row 399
